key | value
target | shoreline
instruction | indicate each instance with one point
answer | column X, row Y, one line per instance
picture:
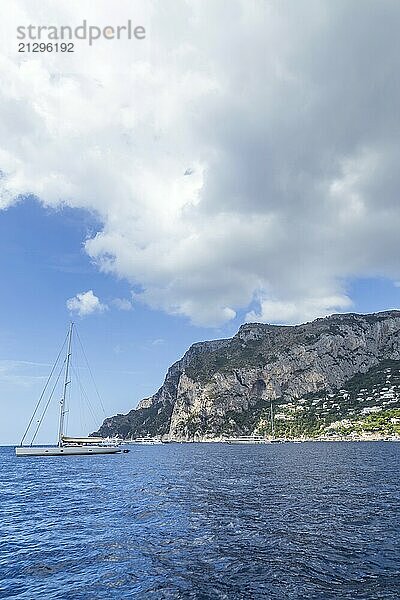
column 233, row 441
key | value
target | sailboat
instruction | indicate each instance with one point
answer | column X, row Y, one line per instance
column 274, row 440
column 66, row 445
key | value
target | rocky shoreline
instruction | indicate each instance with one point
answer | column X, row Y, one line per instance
column 330, row 438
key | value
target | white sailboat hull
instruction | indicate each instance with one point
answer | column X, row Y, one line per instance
column 65, row 450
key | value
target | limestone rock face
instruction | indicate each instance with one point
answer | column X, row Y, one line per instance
column 220, row 386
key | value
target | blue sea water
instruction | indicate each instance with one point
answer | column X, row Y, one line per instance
column 203, row 521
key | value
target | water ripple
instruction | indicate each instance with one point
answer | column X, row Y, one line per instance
column 203, row 521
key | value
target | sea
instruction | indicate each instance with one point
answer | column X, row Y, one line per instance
column 203, row 521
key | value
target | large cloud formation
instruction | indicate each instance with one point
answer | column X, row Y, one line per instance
column 244, row 155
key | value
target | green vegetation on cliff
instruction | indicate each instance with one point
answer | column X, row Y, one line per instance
column 368, row 403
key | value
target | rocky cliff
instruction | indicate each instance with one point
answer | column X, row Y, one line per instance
column 315, row 375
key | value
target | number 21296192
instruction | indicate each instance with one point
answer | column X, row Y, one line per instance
column 43, row 47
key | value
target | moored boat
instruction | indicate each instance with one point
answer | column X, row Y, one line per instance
column 247, row 439
column 65, row 450
column 66, row 446
column 144, row 440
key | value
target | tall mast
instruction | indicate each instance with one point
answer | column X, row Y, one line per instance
column 66, row 382
column 272, row 421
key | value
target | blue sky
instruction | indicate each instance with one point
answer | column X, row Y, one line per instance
column 238, row 164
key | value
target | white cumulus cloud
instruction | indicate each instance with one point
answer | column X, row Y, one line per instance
column 244, row 155
column 85, row 303
column 275, row 311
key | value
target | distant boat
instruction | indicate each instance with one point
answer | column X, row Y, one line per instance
column 150, row 441
column 66, row 445
column 247, row 439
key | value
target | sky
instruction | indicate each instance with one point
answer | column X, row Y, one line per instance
column 238, row 164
